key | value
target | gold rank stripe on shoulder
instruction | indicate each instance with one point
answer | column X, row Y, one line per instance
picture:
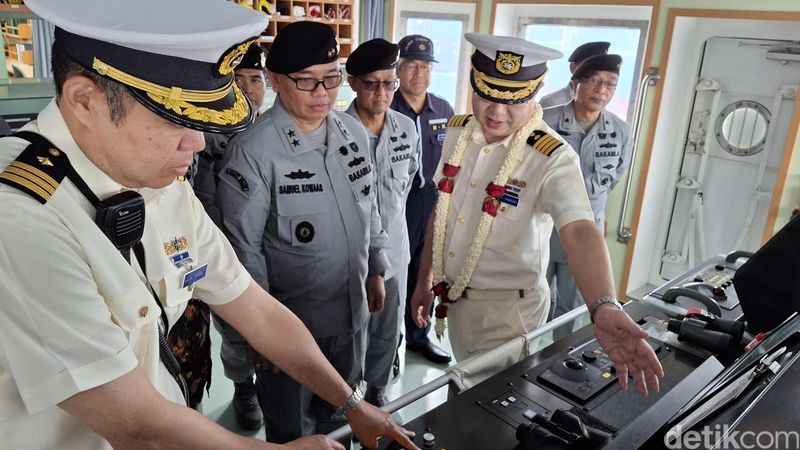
column 459, row 120
column 37, row 171
column 543, row 142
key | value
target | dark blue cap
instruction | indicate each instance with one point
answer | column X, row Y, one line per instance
column 416, row 46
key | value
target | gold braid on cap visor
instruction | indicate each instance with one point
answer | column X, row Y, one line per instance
column 177, row 99
column 521, row 89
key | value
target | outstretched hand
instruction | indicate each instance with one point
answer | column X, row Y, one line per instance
column 369, row 423
column 624, row 342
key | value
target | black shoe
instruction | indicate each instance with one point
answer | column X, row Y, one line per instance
column 431, row 352
column 376, row 397
column 396, row 366
column 245, row 406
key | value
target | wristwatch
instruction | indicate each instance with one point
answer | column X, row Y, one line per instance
column 602, row 300
column 351, row 402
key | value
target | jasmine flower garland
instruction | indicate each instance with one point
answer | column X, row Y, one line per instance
column 495, row 190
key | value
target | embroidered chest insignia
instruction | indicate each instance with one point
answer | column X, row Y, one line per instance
column 356, row 161
column 177, row 244
column 342, row 129
column 517, row 182
column 299, row 174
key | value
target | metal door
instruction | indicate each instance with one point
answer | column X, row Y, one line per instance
column 732, row 151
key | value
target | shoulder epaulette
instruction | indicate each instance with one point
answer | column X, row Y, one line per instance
column 459, row 120
column 37, row 171
column 543, row 142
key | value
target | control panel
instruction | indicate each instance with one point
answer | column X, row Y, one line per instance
column 708, row 286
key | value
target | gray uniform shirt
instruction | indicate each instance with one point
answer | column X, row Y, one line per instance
column 396, row 159
column 556, row 98
column 207, row 165
column 604, row 151
column 304, row 220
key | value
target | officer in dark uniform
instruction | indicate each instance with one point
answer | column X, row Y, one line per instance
column 297, row 199
column 430, row 113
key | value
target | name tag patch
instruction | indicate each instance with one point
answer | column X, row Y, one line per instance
column 511, row 196
column 194, row 275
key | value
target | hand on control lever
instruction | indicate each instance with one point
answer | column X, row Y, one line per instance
column 624, row 342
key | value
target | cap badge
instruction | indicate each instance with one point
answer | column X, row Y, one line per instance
column 232, row 57
column 508, row 63
column 333, row 51
column 422, row 46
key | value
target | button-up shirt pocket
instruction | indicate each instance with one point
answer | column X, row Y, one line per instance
column 133, row 309
column 301, row 221
column 605, row 172
column 507, row 224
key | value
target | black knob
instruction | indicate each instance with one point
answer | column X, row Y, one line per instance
column 574, row 364
column 698, row 279
column 719, row 267
column 588, row 356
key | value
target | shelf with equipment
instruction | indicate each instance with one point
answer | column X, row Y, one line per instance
column 338, row 14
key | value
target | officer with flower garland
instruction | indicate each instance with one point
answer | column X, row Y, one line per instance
column 505, row 179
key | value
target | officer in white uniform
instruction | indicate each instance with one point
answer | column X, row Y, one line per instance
column 394, row 149
column 83, row 360
column 603, row 142
column 237, row 357
column 504, row 179
column 567, row 93
column 297, row 198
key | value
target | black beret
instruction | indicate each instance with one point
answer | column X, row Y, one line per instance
column 373, row 55
column 588, row 49
column 300, row 45
column 605, row 63
column 255, row 58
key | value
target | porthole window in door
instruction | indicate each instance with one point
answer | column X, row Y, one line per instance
column 741, row 128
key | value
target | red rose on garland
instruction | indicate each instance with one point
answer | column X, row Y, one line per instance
column 495, row 190
column 441, row 289
column 450, row 170
column 446, row 185
column 441, row 311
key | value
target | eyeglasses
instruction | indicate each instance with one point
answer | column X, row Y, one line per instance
column 371, row 86
column 597, row 82
column 310, row 84
column 422, row 67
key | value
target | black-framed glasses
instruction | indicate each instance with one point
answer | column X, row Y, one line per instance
column 310, row 84
column 389, row 85
column 597, row 82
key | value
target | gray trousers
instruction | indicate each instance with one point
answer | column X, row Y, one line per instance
column 384, row 333
column 234, row 352
column 564, row 297
column 292, row 411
